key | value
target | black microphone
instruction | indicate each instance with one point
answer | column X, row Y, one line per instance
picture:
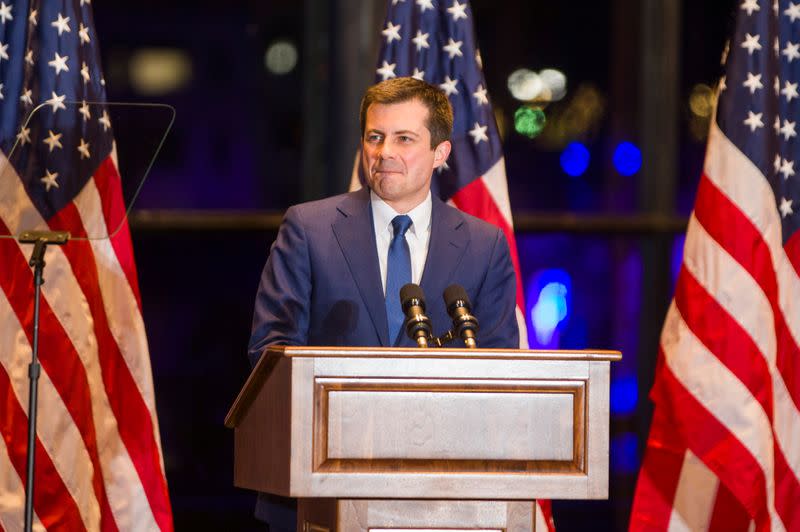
column 417, row 325
column 459, row 308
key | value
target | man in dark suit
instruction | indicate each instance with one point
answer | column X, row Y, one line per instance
column 332, row 273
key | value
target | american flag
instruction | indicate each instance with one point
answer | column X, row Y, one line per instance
column 98, row 454
column 434, row 40
column 724, row 445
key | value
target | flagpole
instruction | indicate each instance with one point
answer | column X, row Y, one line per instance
column 40, row 240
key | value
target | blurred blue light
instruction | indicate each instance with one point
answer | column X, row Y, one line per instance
column 624, row 395
column 548, row 297
column 575, row 159
column 677, row 257
column 627, row 158
column 549, row 311
column 624, row 453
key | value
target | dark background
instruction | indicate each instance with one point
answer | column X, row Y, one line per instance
column 247, row 143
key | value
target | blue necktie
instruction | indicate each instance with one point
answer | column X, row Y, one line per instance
column 398, row 274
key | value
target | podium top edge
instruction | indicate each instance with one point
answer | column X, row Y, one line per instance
column 273, row 354
column 590, row 355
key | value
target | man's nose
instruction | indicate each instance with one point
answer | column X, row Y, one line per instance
column 386, row 151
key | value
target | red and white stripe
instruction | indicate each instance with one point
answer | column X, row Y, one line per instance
column 99, row 464
column 724, row 447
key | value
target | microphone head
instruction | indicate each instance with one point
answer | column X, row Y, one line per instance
column 455, row 295
column 412, row 295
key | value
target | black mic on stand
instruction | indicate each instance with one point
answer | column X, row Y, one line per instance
column 459, row 308
column 40, row 240
column 417, row 325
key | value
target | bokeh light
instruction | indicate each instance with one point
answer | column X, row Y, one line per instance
column 159, row 71
column 624, row 395
column 524, row 84
column 701, row 107
column 575, row 159
column 555, row 84
column 529, row 121
column 624, row 453
column 701, row 100
column 677, row 257
column 549, row 296
column 577, row 117
column 627, row 158
column 549, row 85
column 281, row 57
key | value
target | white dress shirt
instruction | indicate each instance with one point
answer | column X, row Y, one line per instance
column 418, row 235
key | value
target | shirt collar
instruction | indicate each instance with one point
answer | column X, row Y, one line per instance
column 383, row 214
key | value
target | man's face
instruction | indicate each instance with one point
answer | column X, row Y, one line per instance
column 396, row 153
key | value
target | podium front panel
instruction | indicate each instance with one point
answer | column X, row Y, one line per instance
column 402, row 420
column 448, row 428
column 398, row 422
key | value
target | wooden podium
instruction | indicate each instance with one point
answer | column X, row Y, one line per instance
column 440, row 439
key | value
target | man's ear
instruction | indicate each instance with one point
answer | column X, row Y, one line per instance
column 441, row 153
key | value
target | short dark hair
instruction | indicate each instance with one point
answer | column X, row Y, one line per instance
column 399, row 90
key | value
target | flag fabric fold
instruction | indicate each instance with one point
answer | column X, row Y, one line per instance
column 99, row 464
column 724, row 445
column 434, row 41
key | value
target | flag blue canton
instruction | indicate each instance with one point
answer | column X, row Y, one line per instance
column 759, row 104
column 49, row 66
column 435, row 41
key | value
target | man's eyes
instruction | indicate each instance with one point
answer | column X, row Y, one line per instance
column 405, row 139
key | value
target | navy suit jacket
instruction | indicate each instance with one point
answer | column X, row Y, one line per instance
column 321, row 284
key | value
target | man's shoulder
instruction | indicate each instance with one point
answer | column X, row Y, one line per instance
column 331, row 202
column 327, row 209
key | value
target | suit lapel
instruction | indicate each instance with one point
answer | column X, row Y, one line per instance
column 449, row 239
column 356, row 237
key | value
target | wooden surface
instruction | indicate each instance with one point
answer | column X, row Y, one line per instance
column 401, row 352
column 251, row 388
column 262, row 441
column 470, row 420
column 354, row 515
column 274, row 353
column 393, row 423
column 317, row 515
column 598, row 426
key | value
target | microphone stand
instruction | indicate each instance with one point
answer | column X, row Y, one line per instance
column 434, row 341
column 446, row 338
column 40, row 240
